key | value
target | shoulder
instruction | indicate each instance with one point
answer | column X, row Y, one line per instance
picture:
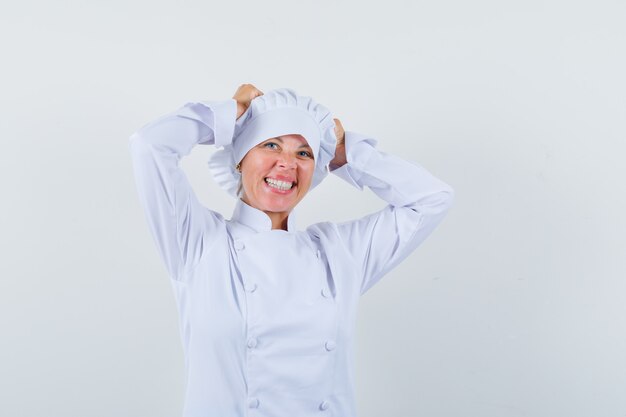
column 216, row 225
column 326, row 235
column 321, row 230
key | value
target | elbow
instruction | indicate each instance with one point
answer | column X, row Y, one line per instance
column 138, row 146
column 448, row 198
column 441, row 202
column 435, row 203
column 134, row 139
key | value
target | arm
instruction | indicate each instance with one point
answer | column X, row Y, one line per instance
column 417, row 203
column 180, row 225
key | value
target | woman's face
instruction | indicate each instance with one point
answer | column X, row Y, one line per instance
column 277, row 173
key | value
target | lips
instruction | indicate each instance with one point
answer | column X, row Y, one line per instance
column 279, row 184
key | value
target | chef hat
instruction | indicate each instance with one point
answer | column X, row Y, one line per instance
column 275, row 113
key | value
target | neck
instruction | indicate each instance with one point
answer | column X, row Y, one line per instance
column 279, row 219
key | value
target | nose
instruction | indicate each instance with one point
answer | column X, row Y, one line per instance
column 286, row 161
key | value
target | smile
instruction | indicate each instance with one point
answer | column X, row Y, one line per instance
column 279, row 185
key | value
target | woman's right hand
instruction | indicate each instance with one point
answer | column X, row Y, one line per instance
column 244, row 95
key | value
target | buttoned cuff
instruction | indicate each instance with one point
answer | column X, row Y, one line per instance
column 359, row 149
column 219, row 115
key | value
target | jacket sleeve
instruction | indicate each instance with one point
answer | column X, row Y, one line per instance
column 417, row 203
column 180, row 225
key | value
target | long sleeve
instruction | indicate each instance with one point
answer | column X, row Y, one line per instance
column 417, row 203
column 181, row 226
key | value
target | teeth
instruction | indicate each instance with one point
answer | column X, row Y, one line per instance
column 281, row 185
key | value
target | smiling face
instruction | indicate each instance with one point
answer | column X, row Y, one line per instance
column 277, row 173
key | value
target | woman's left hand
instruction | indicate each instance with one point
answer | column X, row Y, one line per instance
column 340, row 148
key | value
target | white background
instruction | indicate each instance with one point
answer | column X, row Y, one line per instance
column 515, row 306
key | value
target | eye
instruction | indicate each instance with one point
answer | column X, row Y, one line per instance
column 306, row 154
column 271, row 145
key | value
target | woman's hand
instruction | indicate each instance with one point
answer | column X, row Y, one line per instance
column 244, row 95
column 340, row 148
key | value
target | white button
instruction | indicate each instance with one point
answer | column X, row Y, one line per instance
column 239, row 245
column 253, row 402
column 318, row 254
column 325, row 292
column 330, row 345
column 252, row 342
column 324, row 405
column 250, row 286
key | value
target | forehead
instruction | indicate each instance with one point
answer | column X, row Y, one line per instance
column 298, row 139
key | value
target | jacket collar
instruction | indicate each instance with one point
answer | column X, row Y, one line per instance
column 257, row 219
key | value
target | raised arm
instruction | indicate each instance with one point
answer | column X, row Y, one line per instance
column 180, row 225
column 417, row 203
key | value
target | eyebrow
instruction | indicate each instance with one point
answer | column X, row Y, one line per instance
column 281, row 141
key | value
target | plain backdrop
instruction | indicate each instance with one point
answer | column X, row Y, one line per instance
column 514, row 306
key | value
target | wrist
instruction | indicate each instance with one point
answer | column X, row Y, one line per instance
column 339, row 159
column 240, row 109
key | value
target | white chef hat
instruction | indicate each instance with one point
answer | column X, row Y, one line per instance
column 275, row 113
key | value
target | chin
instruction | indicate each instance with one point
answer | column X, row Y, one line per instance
column 278, row 206
column 272, row 201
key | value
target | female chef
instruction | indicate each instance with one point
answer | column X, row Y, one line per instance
column 267, row 309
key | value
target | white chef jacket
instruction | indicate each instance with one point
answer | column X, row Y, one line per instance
column 267, row 317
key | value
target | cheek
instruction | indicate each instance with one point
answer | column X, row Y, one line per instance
column 255, row 168
column 307, row 172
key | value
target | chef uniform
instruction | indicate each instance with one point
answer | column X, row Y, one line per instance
column 267, row 317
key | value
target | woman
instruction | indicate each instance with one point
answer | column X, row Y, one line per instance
column 267, row 310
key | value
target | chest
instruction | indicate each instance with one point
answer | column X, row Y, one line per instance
column 285, row 281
